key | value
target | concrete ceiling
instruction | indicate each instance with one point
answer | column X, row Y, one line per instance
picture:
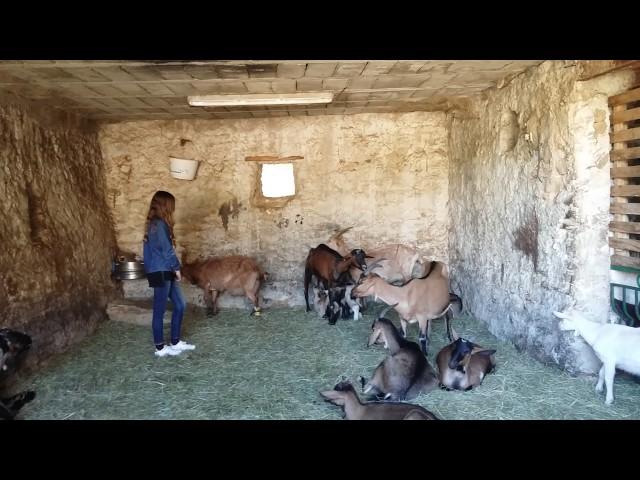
column 148, row 90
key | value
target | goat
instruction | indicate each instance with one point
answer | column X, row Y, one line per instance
column 406, row 372
column 235, row 274
column 402, row 263
column 328, row 266
column 345, row 396
column 421, row 300
column 617, row 346
column 12, row 345
column 462, row 365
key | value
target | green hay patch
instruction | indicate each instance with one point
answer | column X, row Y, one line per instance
column 272, row 367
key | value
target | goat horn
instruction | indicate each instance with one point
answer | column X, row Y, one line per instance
column 343, row 231
column 384, row 312
column 454, row 334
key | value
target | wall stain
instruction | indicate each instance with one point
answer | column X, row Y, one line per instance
column 230, row 208
column 526, row 239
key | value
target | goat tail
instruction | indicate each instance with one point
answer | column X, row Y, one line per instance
column 455, row 298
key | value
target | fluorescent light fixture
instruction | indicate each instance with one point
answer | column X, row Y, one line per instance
column 260, row 99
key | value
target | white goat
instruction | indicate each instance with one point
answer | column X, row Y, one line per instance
column 617, row 346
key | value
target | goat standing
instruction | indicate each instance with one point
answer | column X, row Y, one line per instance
column 328, row 266
column 235, row 274
column 421, row 300
column 617, row 346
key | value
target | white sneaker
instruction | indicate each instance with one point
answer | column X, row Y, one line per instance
column 181, row 346
column 167, row 350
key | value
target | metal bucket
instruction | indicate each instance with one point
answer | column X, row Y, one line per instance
column 124, row 270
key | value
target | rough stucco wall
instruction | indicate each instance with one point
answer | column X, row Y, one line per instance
column 385, row 174
column 57, row 237
column 529, row 183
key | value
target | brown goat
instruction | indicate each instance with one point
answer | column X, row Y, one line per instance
column 345, row 396
column 402, row 262
column 406, row 372
column 462, row 365
column 421, row 300
column 328, row 266
column 235, row 274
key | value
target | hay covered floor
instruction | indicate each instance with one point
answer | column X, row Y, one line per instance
column 272, row 367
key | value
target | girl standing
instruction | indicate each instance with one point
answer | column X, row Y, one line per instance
column 163, row 272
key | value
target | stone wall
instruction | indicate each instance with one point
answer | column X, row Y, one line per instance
column 529, row 201
column 385, row 174
column 57, row 235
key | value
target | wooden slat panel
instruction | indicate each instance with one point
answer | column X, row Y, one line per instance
column 116, row 74
column 626, row 227
column 625, row 261
column 625, row 208
column 130, row 89
column 86, row 74
column 625, row 135
column 625, row 244
column 625, row 154
column 625, row 191
column 626, row 115
column 625, row 172
column 623, row 205
column 157, row 89
column 626, row 97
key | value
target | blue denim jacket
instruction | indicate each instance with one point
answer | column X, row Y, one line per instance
column 159, row 254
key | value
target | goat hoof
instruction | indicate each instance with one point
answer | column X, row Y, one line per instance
column 599, row 388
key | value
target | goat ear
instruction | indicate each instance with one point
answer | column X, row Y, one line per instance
column 482, row 351
column 368, row 256
column 333, row 397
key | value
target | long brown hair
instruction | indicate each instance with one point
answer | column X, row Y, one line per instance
column 162, row 206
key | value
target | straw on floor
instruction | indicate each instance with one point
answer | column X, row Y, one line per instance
column 272, row 367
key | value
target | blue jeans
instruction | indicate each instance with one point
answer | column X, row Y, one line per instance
column 171, row 290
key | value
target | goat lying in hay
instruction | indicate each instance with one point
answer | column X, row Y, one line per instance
column 617, row 346
column 235, row 274
column 12, row 345
column 345, row 396
column 406, row 372
column 462, row 365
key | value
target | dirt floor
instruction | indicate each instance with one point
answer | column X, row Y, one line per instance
column 272, row 367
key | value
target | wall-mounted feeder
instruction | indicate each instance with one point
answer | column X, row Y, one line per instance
column 183, row 168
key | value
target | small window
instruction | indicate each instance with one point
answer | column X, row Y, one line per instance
column 274, row 180
column 277, row 180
